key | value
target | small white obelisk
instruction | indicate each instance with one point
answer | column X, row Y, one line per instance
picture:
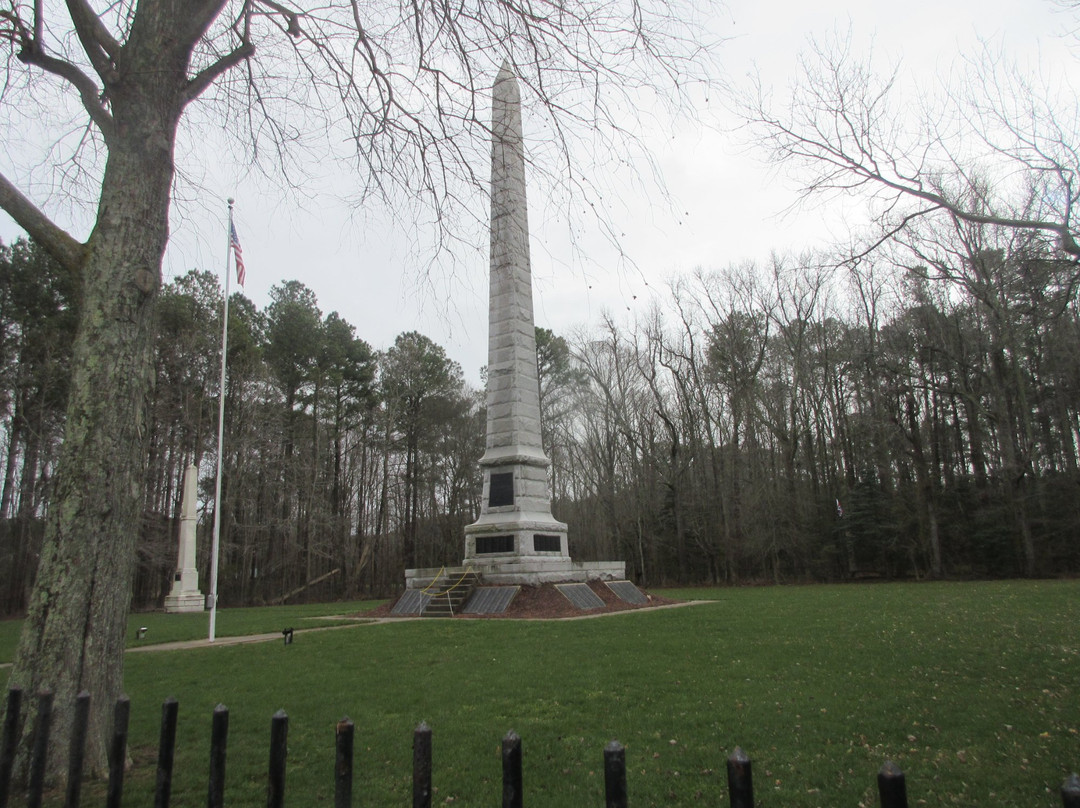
column 185, row 595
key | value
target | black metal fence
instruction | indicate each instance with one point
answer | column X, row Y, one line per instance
column 892, row 789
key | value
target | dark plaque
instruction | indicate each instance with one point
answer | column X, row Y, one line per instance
column 501, row 489
column 543, row 543
column 494, row 544
column 581, row 595
column 490, row 599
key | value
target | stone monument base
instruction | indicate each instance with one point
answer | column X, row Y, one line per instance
column 185, row 602
column 524, row 571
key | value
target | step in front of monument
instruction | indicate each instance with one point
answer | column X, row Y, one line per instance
column 448, row 598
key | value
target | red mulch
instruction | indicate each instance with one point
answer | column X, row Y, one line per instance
column 546, row 602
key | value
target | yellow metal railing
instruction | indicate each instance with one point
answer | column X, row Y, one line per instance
column 427, row 589
column 434, row 581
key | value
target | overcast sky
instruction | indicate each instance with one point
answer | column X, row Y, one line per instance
column 726, row 205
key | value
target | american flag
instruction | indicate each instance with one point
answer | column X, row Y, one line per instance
column 238, row 253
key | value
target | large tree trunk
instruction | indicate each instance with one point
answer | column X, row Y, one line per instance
column 73, row 637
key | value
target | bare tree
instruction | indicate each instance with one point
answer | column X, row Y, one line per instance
column 999, row 149
column 405, row 85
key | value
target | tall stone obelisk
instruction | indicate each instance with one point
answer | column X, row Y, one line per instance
column 515, row 531
column 185, row 595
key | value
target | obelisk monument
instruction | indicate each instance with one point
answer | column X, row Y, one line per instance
column 185, row 595
column 515, row 528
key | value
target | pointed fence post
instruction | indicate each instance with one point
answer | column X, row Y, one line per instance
column 421, row 777
column 279, row 736
column 343, row 763
column 9, row 736
column 219, row 739
column 1070, row 792
column 166, row 753
column 740, row 779
column 118, row 752
column 615, row 795
column 511, row 771
column 891, row 786
column 39, row 756
column 77, row 750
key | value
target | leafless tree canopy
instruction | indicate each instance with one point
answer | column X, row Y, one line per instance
column 399, row 90
column 998, row 147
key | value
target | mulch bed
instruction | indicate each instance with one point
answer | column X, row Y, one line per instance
column 546, row 602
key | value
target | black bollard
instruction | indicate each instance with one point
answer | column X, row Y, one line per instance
column 343, row 764
column 615, row 794
column 38, row 758
column 1070, row 792
column 77, row 749
column 219, row 738
column 891, row 786
column 421, row 776
column 166, row 753
column 279, row 737
column 9, row 735
column 740, row 779
column 118, row 752
column 511, row 768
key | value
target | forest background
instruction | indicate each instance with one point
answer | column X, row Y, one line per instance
column 914, row 414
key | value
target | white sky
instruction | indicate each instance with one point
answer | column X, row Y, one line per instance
column 727, row 206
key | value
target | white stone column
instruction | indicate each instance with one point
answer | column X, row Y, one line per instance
column 185, row 595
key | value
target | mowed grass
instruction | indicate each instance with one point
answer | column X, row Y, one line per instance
column 971, row 688
column 164, row 628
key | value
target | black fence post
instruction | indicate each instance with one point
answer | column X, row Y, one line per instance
column 39, row 757
column 615, row 795
column 219, row 739
column 1070, row 792
column 343, row 763
column 891, row 786
column 77, row 750
column 118, row 752
column 421, row 761
column 279, row 741
column 511, row 770
column 166, row 753
column 740, row 779
column 9, row 736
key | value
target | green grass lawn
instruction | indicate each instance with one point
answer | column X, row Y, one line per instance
column 162, row 628
column 971, row 688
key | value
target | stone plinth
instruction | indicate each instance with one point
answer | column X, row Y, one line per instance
column 525, row 571
column 185, row 602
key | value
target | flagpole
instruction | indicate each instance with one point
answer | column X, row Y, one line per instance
column 216, row 544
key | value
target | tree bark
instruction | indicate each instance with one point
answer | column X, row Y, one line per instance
column 73, row 637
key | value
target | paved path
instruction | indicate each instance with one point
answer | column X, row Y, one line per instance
column 251, row 638
column 221, row 642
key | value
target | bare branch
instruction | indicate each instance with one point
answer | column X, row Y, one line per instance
column 89, row 93
column 100, row 46
column 55, row 240
column 292, row 18
column 842, row 126
column 198, row 84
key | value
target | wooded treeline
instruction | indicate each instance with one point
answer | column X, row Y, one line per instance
column 917, row 414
